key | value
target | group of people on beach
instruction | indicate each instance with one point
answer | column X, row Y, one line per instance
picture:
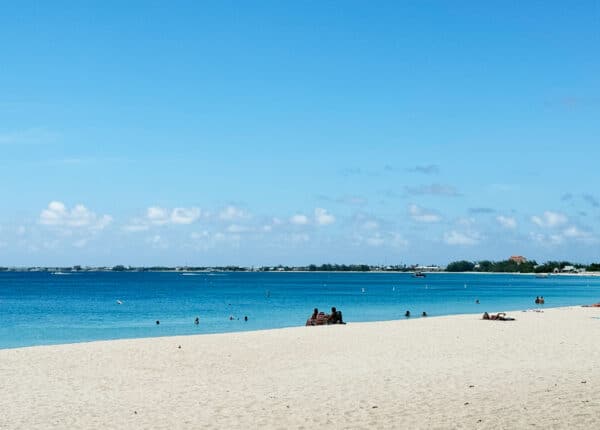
column 321, row 318
column 539, row 300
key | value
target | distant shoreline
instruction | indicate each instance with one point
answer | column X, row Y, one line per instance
column 65, row 271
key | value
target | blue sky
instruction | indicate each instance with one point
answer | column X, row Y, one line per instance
column 297, row 132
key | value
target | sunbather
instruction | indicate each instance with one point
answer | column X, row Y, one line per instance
column 500, row 316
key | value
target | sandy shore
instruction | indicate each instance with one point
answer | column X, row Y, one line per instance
column 541, row 370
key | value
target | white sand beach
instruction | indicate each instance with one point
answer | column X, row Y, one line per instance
column 542, row 370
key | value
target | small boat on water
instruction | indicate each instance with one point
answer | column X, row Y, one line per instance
column 60, row 273
column 542, row 275
column 419, row 275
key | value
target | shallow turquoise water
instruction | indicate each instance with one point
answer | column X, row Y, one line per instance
column 41, row 308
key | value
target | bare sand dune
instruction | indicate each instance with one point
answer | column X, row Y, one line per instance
column 542, row 370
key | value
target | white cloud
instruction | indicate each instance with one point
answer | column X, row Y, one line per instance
column 550, row 219
column 570, row 233
column 231, row 213
column 507, row 222
column 457, row 238
column 420, row 214
column 57, row 214
column 323, row 217
column 158, row 216
column 299, row 219
column 185, row 216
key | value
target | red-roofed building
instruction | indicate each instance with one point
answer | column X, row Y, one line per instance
column 518, row 259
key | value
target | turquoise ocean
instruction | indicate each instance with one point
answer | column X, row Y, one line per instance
column 39, row 308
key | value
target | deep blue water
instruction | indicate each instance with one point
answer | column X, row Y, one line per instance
column 41, row 308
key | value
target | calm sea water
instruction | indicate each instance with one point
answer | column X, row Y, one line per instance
column 41, row 308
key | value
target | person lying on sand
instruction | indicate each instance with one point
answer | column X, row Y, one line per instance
column 594, row 305
column 501, row 316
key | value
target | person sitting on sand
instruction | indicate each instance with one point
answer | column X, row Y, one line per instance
column 335, row 317
column 322, row 318
column 313, row 318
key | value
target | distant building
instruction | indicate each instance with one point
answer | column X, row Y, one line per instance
column 519, row 259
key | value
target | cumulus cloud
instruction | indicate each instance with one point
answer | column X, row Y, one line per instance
column 157, row 216
column 457, row 238
column 299, row 219
column 433, row 189
column 507, row 222
column 567, row 234
column 550, row 219
column 160, row 216
column 232, row 213
column 323, row 217
column 185, row 216
column 420, row 214
column 57, row 214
